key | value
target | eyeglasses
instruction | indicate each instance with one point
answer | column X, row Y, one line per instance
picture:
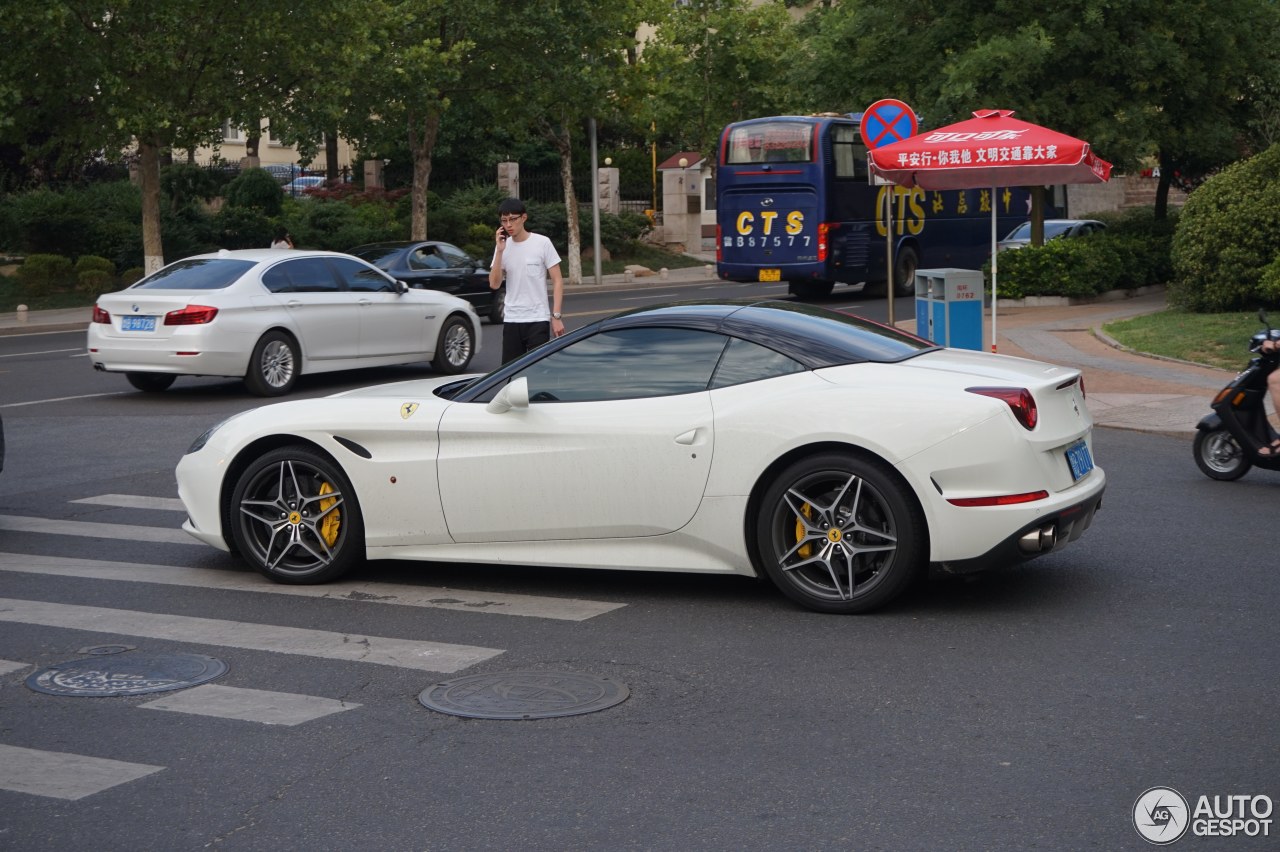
column 515, row 218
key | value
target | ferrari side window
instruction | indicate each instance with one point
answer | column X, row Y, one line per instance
column 744, row 362
column 630, row 363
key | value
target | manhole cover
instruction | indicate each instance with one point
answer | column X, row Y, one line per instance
column 523, row 695
column 126, row 674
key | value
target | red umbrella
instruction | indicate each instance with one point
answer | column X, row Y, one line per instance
column 991, row 149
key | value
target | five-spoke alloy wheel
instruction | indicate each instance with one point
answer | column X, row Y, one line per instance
column 836, row 534
column 294, row 517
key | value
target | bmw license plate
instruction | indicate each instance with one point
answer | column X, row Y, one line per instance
column 1079, row 459
column 137, row 323
column 770, row 275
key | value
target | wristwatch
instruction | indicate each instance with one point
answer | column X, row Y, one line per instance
column 556, row 315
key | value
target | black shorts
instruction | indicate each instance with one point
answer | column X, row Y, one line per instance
column 519, row 337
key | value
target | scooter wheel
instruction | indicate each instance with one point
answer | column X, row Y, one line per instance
column 1219, row 456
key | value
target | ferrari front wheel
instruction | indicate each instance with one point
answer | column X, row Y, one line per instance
column 837, row 533
column 294, row 517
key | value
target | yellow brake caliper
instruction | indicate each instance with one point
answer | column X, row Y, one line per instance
column 332, row 521
column 807, row 549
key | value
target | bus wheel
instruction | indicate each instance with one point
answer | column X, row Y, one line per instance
column 904, row 271
column 807, row 291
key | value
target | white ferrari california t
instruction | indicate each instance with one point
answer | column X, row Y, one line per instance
column 270, row 315
column 837, row 456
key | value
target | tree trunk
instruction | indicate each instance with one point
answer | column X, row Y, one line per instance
column 331, row 156
column 149, row 181
column 564, row 146
column 421, row 147
column 1162, row 189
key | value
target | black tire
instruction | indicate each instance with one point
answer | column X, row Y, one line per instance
column 150, row 382
column 1219, row 455
column 905, row 265
column 837, row 533
column 498, row 307
column 807, row 291
column 294, row 517
column 274, row 365
column 455, row 348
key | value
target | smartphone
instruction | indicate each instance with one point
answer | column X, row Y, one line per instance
column 503, row 230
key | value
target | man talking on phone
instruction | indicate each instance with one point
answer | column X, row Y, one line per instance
column 525, row 259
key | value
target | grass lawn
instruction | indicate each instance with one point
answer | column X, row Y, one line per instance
column 1218, row 340
column 650, row 256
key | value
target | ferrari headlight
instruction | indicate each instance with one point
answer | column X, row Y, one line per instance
column 199, row 442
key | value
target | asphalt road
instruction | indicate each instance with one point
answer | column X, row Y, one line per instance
column 1024, row 709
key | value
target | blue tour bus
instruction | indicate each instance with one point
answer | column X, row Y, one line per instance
column 794, row 204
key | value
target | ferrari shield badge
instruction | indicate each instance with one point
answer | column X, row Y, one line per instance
column 406, row 410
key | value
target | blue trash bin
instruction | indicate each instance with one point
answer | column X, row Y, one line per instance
column 949, row 307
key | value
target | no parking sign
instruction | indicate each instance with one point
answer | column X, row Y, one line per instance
column 887, row 120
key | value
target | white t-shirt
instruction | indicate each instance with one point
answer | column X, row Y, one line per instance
column 525, row 265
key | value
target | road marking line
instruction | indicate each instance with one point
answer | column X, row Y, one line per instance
column 63, row 399
column 382, row 650
column 60, row 775
column 89, row 529
column 7, row 666
column 249, row 705
column 42, row 352
column 134, row 501
column 404, row 594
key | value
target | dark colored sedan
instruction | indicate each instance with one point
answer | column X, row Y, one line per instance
column 433, row 265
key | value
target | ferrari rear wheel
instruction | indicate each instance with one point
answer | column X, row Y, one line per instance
column 836, row 533
column 294, row 517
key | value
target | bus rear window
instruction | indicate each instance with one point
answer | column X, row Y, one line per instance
column 769, row 142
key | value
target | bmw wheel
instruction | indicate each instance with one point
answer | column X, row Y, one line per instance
column 836, row 534
column 1219, row 456
column 294, row 517
column 456, row 346
column 274, row 365
column 150, row 382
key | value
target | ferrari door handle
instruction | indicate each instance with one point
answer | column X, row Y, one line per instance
column 688, row 438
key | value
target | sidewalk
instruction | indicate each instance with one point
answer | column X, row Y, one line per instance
column 1125, row 390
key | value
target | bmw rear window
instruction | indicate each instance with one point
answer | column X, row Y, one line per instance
column 210, row 273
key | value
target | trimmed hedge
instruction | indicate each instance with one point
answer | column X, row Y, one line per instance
column 1132, row 252
column 1224, row 255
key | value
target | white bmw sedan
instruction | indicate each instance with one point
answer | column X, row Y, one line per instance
column 270, row 315
column 838, row 457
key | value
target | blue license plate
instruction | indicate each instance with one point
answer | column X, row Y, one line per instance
column 1079, row 460
column 137, row 323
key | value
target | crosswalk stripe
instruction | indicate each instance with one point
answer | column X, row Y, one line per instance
column 565, row 609
column 411, row 654
column 135, row 501
column 88, row 529
column 249, row 705
column 61, row 775
column 7, row 666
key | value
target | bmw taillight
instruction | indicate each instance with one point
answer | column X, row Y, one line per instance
column 191, row 315
column 99, row 315
column 1020, row 401
column 824, row 229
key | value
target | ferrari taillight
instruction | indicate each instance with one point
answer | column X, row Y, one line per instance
column 824, row 229
column 99, row 315
column 1000, row 499
column 191, row 315
column 1020, row 401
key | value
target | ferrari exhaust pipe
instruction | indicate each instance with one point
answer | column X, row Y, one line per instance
column 1039, row 541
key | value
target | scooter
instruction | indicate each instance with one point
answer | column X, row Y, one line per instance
column 1228, row 440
